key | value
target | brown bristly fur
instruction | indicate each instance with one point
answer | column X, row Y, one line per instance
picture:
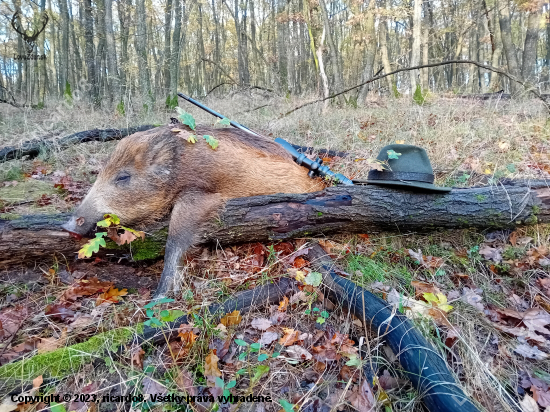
column 159, row 171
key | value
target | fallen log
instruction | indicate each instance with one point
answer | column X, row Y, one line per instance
column 421, row 363
column 33, row 148
column 341, row 209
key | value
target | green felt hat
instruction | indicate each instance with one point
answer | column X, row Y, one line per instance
column 411, row 168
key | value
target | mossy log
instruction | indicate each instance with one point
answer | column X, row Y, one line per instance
column 349, row 209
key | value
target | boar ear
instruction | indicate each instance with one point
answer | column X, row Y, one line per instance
column 162, row 153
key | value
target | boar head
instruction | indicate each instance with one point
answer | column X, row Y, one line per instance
column 139, row 183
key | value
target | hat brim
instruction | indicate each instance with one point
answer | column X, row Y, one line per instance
column 408, row 185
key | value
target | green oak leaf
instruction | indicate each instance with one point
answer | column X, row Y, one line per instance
column 211, row 141
column 92, row 246
column 187, row 119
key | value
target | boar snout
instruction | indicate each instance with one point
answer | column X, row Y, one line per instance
column 72, row 227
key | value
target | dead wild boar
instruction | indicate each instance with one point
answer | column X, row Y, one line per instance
column 158, row 172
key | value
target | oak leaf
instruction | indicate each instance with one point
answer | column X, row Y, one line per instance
column 231, row 319
column 290, row 337
column 113, row 295
column 211, row 369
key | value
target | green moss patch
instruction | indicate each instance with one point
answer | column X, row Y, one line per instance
column 68, row 360
column 150, row 248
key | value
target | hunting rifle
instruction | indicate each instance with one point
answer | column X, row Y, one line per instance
column 316, row 167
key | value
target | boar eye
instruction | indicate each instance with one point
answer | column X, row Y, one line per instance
column 122, row 178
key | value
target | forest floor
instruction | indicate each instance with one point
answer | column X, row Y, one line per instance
column 495, row 333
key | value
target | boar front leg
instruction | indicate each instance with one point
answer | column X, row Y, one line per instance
column 190, row 215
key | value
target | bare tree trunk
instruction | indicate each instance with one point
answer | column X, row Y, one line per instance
column 64, row 49
column 217, row 54
column 43, row 67
column 529, row 66
column 337, row 70
column 112, row 67
column 78, row 73
column 384, row 49
column 19, row 84
column 425, row 73
column 548, row 52
column 507, row 44
column 167, row 54
column 370, row 54
column 175, row 58
column 282, row 50
column 100, row 51
column 494, row 84
column 89, row 53
column 322, row 73
column 124, row 20
column 141, row 51
column 255, row 58
column 416, row 41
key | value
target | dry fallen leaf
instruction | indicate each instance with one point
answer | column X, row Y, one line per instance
column 50, row 344
column 268, row 337
column 290, row 337
column 283, row 304
column 422, row 287
column 137, row 356
column 86, row 287
column 299, row 353
column 231, row 319
column 528, row 404
column 113, row 295
column 261, row 323
column 491, row 253
column 184, row 380
column 11, row 319
column 211, row 369
column 362, row 398
column 531, row 352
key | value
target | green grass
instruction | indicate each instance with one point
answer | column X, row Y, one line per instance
column 378, row 270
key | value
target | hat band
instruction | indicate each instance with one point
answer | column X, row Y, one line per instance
column 407, row 176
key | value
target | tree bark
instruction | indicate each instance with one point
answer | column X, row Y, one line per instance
column 175, row 57
column 167, row 53
column 89, row 53
column 355, row 209
column 141, row 51
column 112, row 67
column 64, row 50
column 337, row 70
column 529, row 66
column 494, row 83
column 507, row 44
column 124, row 20
column 416, row 42
column 370, row 53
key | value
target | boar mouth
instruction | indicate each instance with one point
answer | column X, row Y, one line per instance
column 76, row 228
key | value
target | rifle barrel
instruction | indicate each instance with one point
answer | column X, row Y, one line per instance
column 214, row 113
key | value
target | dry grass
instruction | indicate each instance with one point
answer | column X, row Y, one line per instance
column 468, row 142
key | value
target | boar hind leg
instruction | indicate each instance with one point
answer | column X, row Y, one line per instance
column 191, row 213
